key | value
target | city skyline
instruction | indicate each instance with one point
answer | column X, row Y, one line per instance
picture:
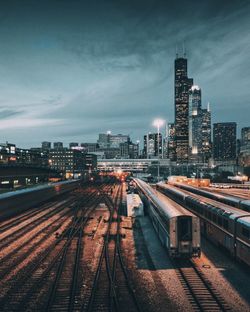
column 71, row 70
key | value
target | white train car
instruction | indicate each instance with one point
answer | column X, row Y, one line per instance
column 177, row 228
column 134, row 206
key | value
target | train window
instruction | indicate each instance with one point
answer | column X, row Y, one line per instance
column 245, row 232
column 184, row 229
column 219, row 220
column 214, row 217
column 209, row 215
column 225, row 224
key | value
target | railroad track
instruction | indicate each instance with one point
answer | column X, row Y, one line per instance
column 64, row 293
column 111, row 289
column 24, row 290
column 201, row 294
column 32, row 223
column 27, row 215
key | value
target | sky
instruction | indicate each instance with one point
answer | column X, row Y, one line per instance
column 72, row 69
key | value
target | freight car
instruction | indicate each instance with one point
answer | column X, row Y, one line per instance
column 243, row 204
column 228, row 227
column 17, row 201
column 177, row 228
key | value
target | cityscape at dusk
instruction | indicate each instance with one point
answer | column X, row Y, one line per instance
column 125, row 156
column 72, row 70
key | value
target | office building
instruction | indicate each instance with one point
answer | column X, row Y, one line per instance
column 67, row 161
column 171, row 146
column 57, row 145
column 72, row 145
column 46, row 145
column 244, row 157
column 206, row 151
column 129, row 150
column 90, row 162
column 182, row 87
column 108, row 140
column 195, row 122
column 90, row 147
column 224, row 141
column 151, row 146
column 245, row 136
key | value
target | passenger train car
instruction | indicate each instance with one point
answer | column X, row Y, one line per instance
column 20, row 200
column 177, row 228
column 226, row 199
column 226, row 226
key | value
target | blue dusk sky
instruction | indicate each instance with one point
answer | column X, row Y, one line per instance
column 72, row 69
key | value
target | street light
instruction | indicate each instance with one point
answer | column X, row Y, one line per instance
column 158, row 123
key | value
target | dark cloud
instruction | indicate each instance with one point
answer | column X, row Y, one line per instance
column 75, row 68
column 5, row 113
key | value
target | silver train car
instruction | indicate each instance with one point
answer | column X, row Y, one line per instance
column 243, row 204
column 14, row 202
column 227, row 227
column 177, row 228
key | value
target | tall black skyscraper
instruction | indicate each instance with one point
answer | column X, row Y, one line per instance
column 224, row 143
column 206, row 133
column 182, row 87
column 195, row 121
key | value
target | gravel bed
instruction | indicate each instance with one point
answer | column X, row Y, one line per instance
column 230, row 278
column 155, row 280
column 156, row 283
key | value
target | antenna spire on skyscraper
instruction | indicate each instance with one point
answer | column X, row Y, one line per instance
column 176, row 51
column 184, row 49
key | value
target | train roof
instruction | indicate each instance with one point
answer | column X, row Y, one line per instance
column 171, row 208
column 33, row 188
column 245, row 221
column 215, row 206
column 218, row 195
column 245, row 202
column 167, row 206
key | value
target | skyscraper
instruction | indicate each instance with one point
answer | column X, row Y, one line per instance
column 206, row 133
column 150, row 149
column 46, row 145
column 182, row 87
column 171, row 148
column 58, row 145
column 224, row 141
column 245, row 136
column 245, row 147
column 108, row 140
column 195, row 122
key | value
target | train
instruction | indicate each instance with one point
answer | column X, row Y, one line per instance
column 15, row 202
column 178, row 229
column 227, row 227
column 243, row 204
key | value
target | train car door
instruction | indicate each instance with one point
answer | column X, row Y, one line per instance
column 184, row 224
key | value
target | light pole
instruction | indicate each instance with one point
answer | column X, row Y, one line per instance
column 158, row 123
